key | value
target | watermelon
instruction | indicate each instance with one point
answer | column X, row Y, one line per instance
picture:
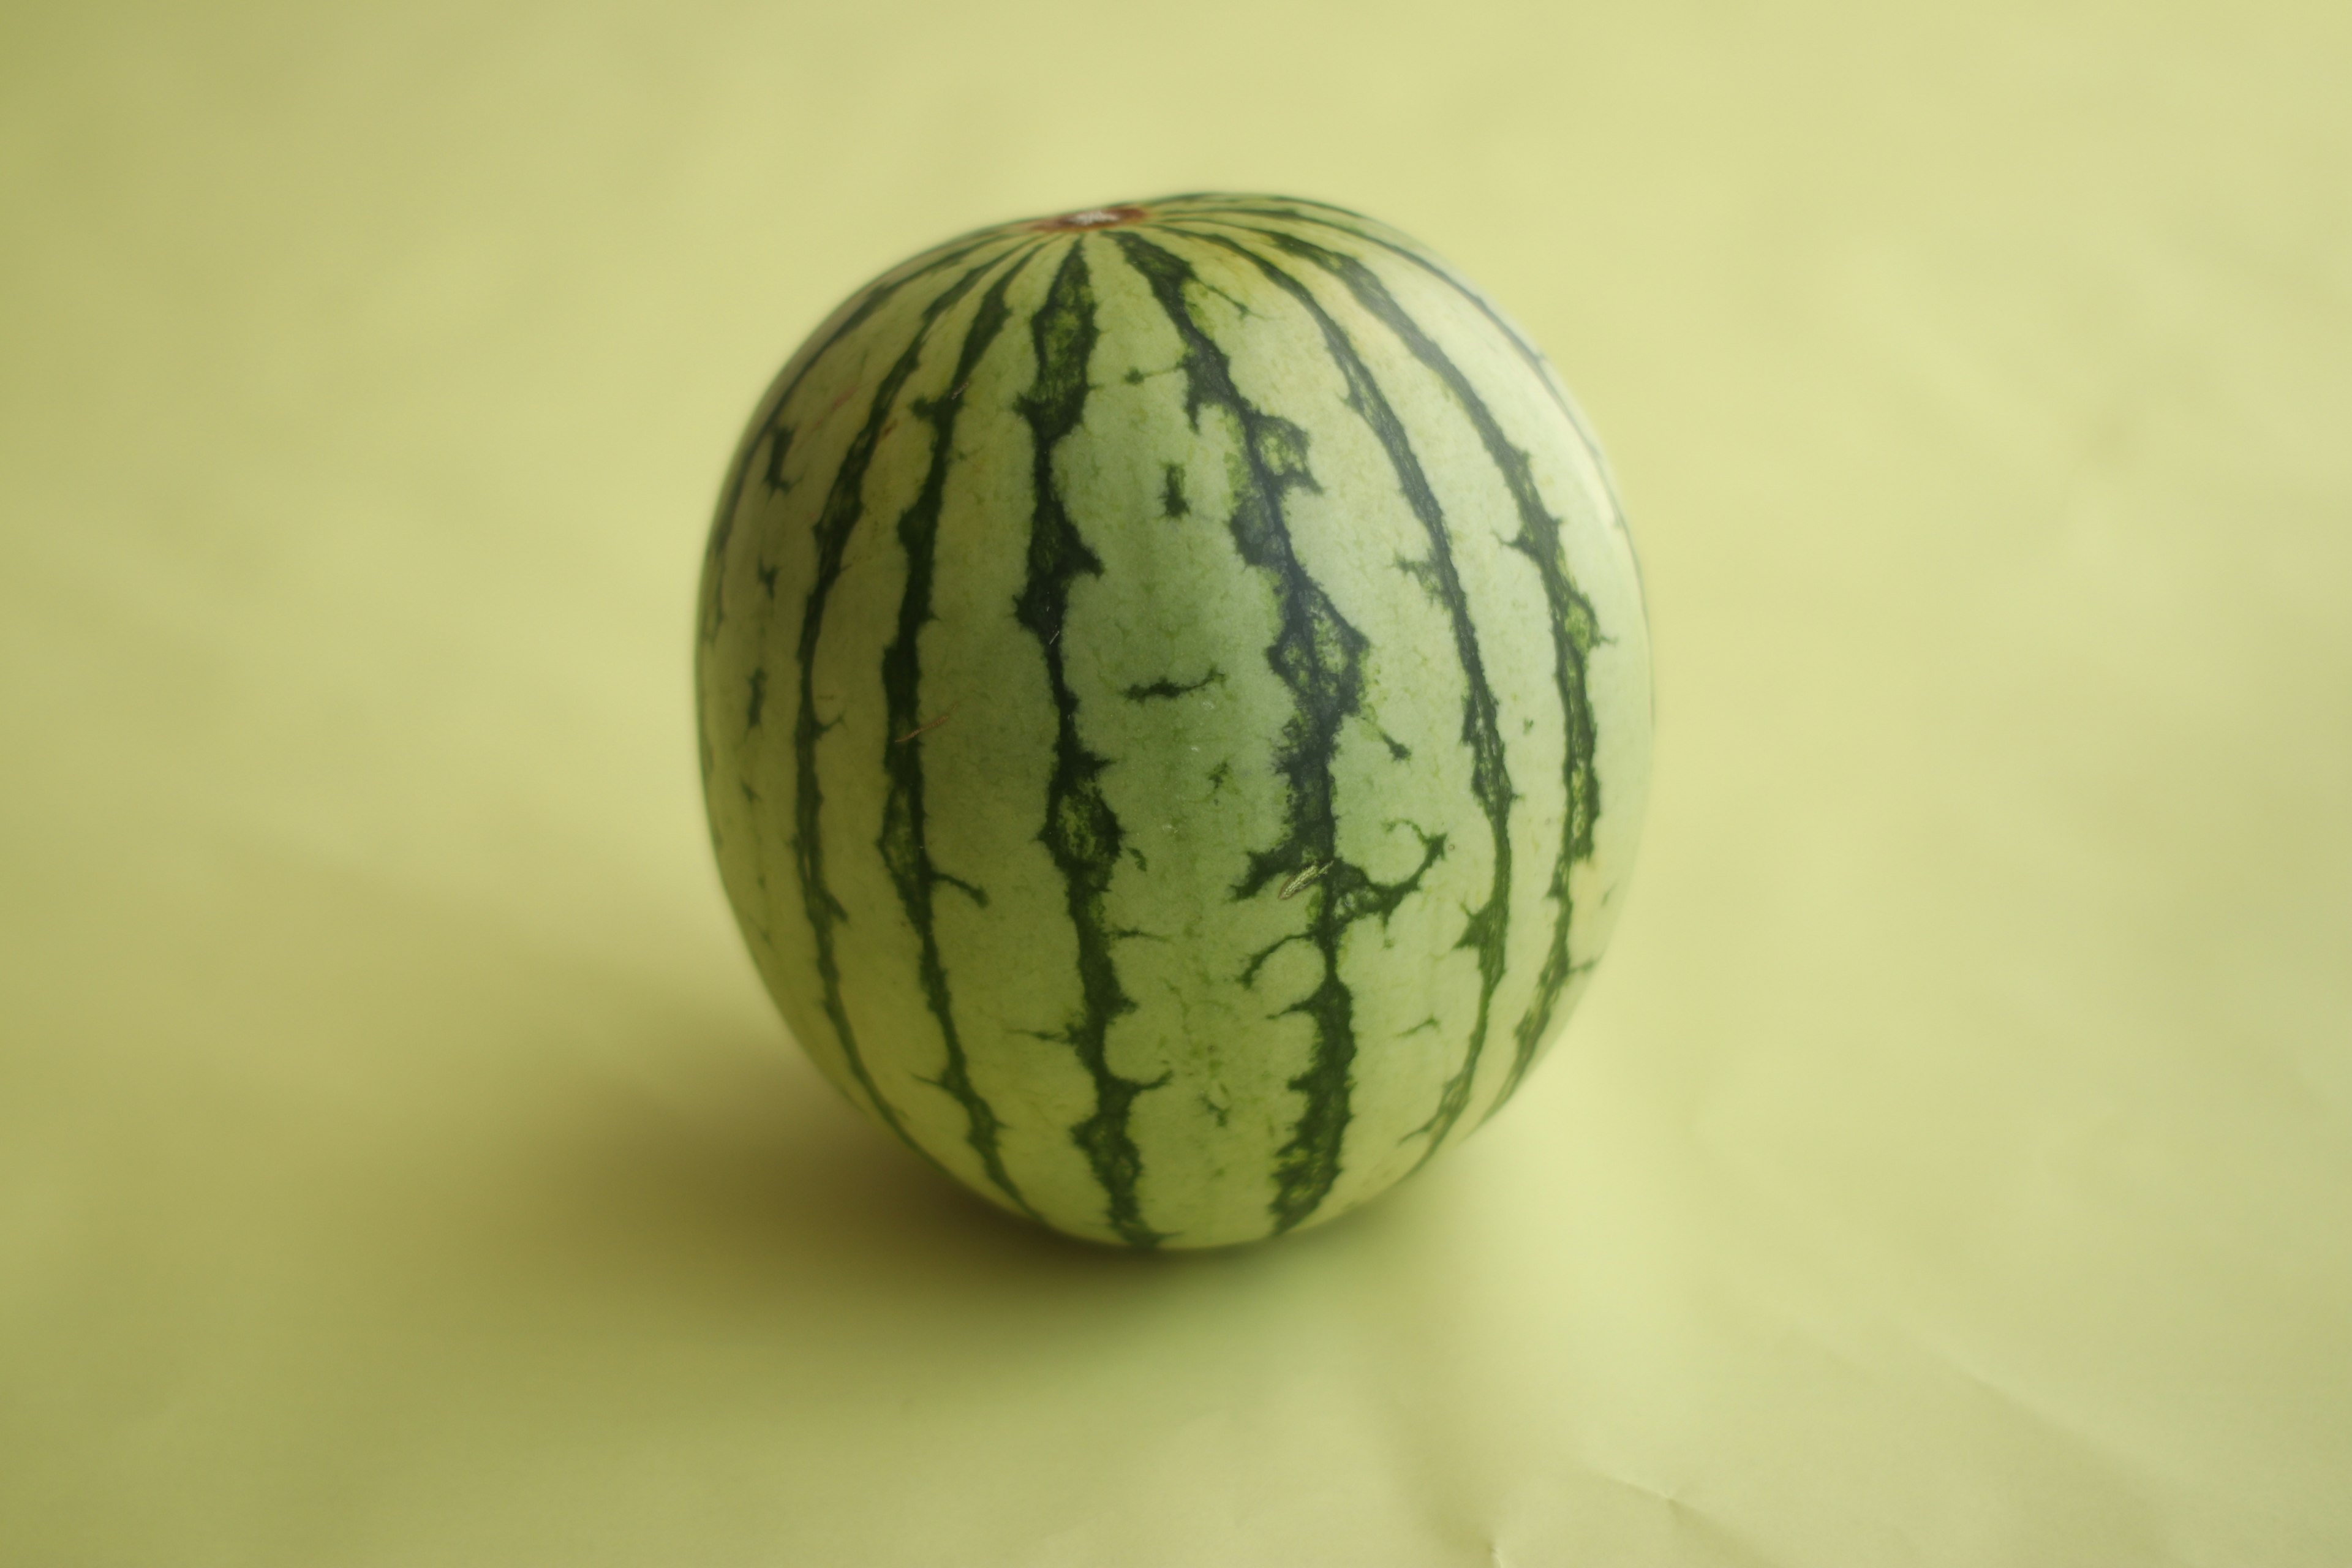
column 1174, row 699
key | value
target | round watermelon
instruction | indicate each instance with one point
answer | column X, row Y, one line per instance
column 1175, row 710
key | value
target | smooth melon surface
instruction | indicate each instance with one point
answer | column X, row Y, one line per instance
column 1175, row 706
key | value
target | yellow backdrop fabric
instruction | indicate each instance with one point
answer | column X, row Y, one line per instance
column 399, row 1164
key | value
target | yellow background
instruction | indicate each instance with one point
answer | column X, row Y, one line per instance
column 1952, row 1165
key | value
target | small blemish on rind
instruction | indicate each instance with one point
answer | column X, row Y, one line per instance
column 1303, row 880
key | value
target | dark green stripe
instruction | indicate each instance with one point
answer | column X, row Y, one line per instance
column 845, row 505
column 1574, row 629
column 765, row 425
column 1527, row 351
column 1319, row 656
column 905, row 848
column 1081, row 832
column 1211, row 204
column 1211, row 207
column 1487, row 930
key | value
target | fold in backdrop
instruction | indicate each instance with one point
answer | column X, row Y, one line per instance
column 1951, row 1163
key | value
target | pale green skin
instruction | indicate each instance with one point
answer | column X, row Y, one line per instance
column 1208, row 1057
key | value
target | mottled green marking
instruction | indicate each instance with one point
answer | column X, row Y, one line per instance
column 768, row 431
column 1319, row 656
column 1486, row 930
column 1081, row 833
column 1528, row 354
column 1218, row 512
column 845, row 506
column 1161, row 688
column 1574, row 629
column 906, row 850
